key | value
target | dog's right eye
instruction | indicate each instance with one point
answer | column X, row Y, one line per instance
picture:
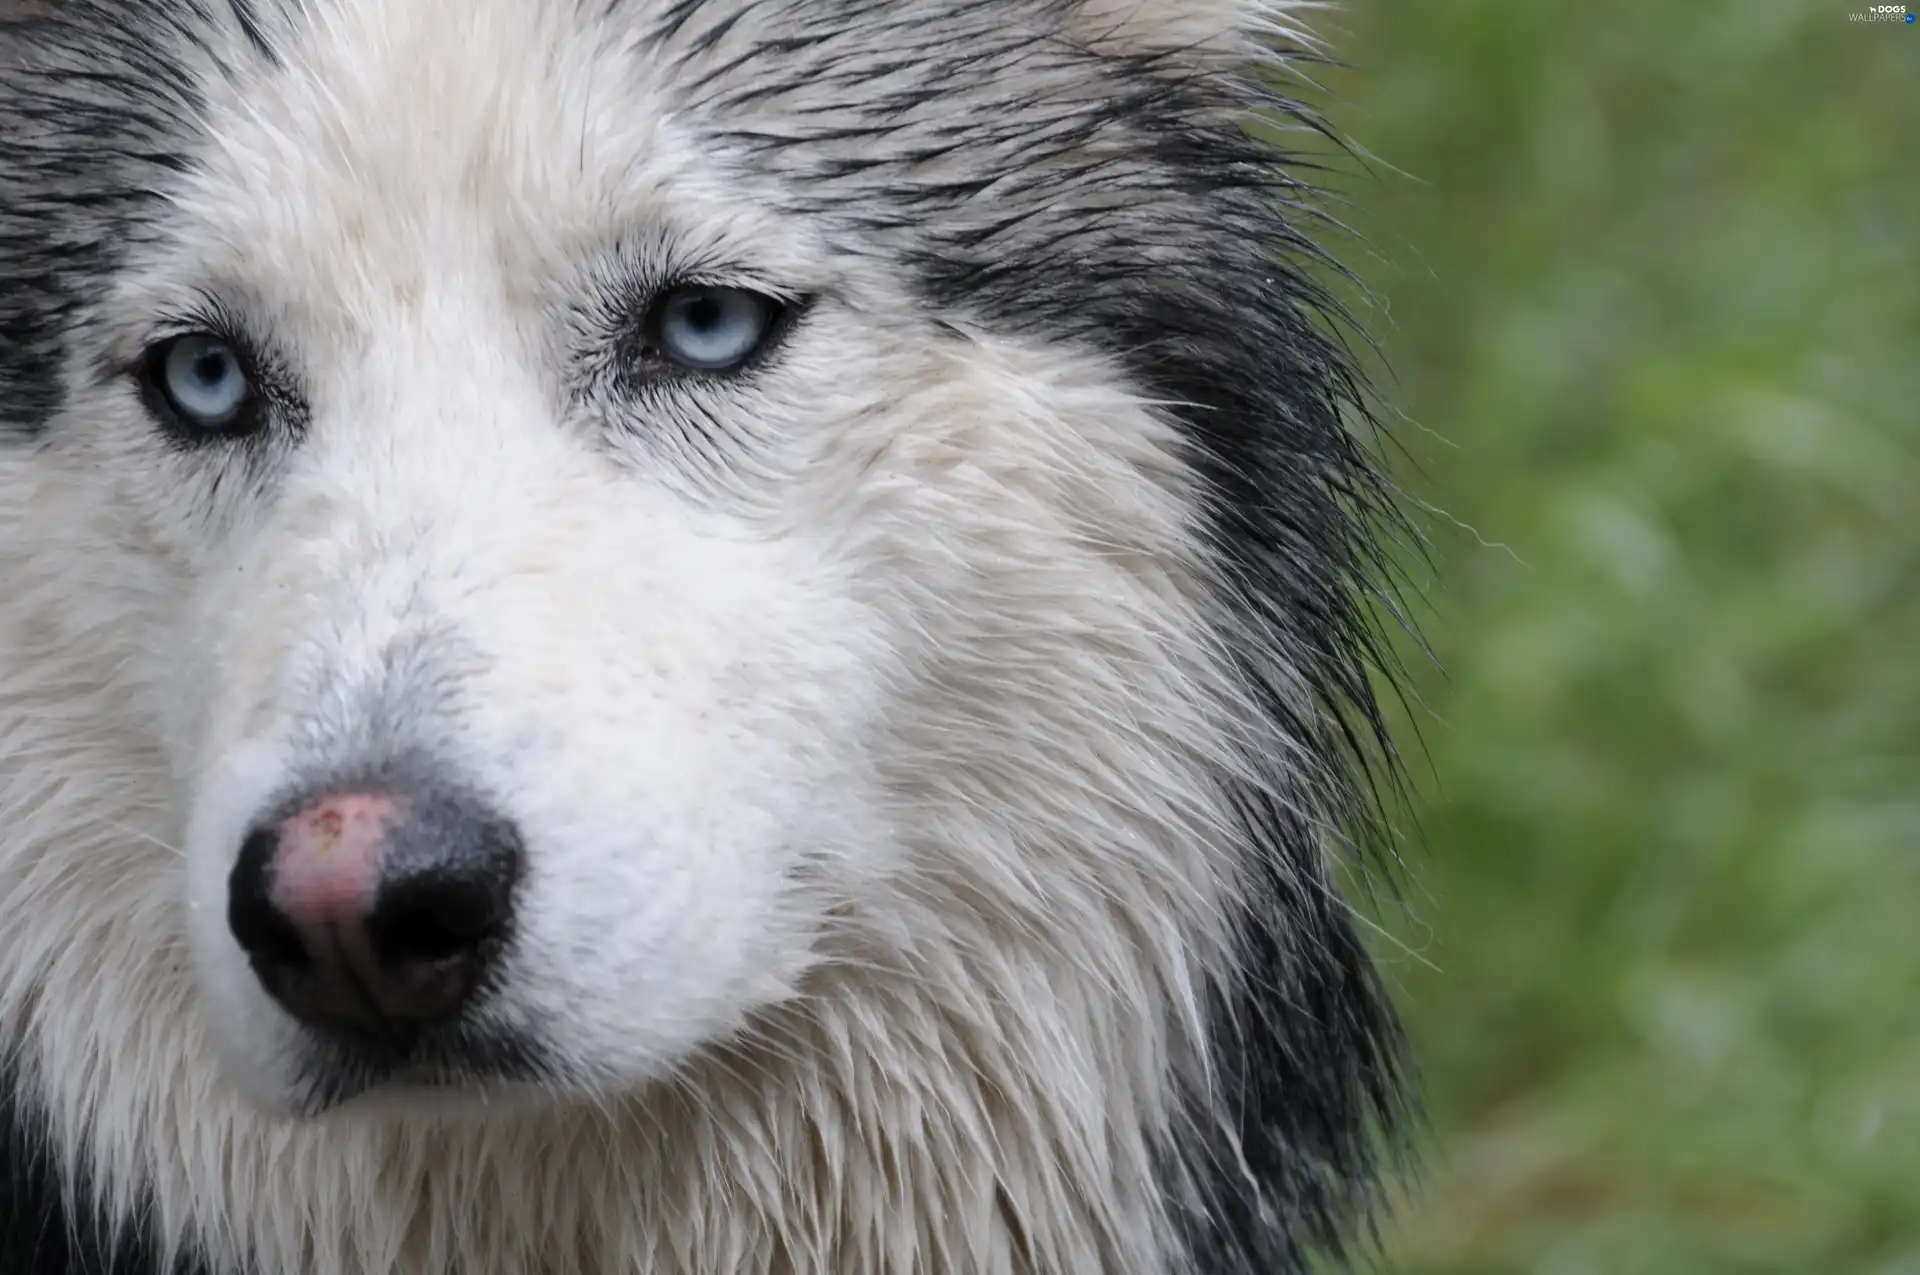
column 199, row 385
column 709, row 329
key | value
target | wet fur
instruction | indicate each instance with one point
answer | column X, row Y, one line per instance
column 1047, row 531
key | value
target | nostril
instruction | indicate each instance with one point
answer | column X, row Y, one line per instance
column 274, row 942
column 438, row 916
column 449, row 887
column 263, row 931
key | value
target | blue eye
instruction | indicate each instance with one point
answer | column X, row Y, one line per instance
column 202, row 382
column 711, row 329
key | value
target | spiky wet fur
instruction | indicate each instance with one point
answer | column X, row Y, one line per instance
column 1057, row 456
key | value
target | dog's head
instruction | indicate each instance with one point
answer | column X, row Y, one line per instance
column 615, row 523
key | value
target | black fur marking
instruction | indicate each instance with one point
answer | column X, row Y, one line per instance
column 1222, row 324
column 95, row 110
column 249, row 20
column 39, row 1235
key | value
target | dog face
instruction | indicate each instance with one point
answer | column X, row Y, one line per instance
column 487, row 435
column 808, row 550
column 518, row 540
column 496, row 529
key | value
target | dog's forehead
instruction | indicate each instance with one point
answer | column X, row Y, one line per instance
column 450, row 90
column 382, row 136
column 927, row 149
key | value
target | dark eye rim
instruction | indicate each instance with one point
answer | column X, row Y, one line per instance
column 150, row 374
column 650, row 359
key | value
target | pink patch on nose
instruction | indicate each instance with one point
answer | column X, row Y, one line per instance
column 327, row 867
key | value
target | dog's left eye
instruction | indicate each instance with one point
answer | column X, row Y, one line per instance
column 199, row 384
column 710, row 329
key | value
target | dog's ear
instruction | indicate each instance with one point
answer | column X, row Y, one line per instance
column 1148, row 26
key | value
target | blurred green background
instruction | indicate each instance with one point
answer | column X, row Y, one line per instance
column 1650, row 299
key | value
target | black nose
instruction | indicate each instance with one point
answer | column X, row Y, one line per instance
column 373, row 911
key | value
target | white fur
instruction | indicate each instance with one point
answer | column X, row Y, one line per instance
column 872, row 865
column 1138, row 26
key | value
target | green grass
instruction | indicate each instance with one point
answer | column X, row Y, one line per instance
column 1651, row 275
